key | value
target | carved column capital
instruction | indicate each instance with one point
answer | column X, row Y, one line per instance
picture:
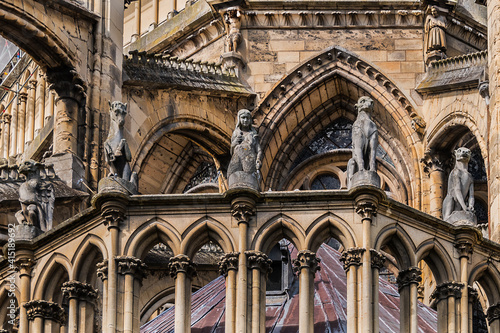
column 102, row 270
column 23, row 97
column 131, row 265
column 433, row 161
column 352, row 257
column 366, row 206
column 473, row 294
column 24, row 265
column 378, row 259
column 306, row 259
column 243, row 210
column 66, row 83
column 114, row 212
column 182, row 263
column 7, row 118
column 259, row 260
column 464, row 248
column 45, row 310
column 493, row 313
column 32, row 84
column 409, row 276
column 447, row 289
column 228, row 262
column 79, row 290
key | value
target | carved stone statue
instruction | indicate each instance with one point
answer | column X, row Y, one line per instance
column 246, row 153
column 458, row 205
column 116, row 149
column 435, row 35
column 233, row 24
column 364, row 147
column 36, row 197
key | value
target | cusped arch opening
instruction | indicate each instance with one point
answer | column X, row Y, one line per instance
column 206, row 231
column 148, row 235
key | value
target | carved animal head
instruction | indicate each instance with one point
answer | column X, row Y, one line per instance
column 3, row 162
column 365, row 103
column 29, row 168
column 463, row 154
column 118, row 111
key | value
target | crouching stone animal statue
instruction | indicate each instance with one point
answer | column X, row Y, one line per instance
column 36, row 197
column 458, row 205
column 362, row 167
column 116, row 150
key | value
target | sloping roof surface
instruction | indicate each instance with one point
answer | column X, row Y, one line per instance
column 282, row 313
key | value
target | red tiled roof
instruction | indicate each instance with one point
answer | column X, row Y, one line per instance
column 282, row 313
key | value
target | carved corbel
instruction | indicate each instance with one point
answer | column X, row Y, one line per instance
column 67, row 84
column 434, row 161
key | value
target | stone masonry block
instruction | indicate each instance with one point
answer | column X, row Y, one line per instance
column 288, row 57
column 286, row 45
column 408, row 44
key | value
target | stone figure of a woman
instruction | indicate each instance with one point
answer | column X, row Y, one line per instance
column 246, row 153
column 435, row 28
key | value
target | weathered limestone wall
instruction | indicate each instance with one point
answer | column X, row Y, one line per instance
column 273, row 53
column 494, row 116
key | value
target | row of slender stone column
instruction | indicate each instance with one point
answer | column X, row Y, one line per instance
column 25, row 118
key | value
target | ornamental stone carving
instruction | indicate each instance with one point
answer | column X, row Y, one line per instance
column 228, row 262
column 232, row 22
column 259, row 260
column 447, row 289
column 435, row 34
column 352, row 257
column 36, row 196
column 66, row 83
column 79, row 290
column 117, row 152
column 246, row 154
column 362, row 167
column 458, row 205
column 493, row 313
column 131, row 265
column 464, row 248
column 409, row 276
column 182, row 264
column 45, row 310
column 102, row 270
column 378, row 259
column 306, row 259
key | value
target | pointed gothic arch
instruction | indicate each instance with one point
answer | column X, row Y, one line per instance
column 276, row 228
column 205, row 230
column 329, row 225
column 323, row 88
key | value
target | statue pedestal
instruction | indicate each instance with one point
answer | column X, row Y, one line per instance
column 434, row 56
column 365, row 177
column 116, row 184
column 26, row 232
column 243, row 179
column 233, row 60
column 462, row 218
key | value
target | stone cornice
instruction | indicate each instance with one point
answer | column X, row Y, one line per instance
column 331, row 18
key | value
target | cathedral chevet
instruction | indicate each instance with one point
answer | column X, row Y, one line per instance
column 249, row 166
